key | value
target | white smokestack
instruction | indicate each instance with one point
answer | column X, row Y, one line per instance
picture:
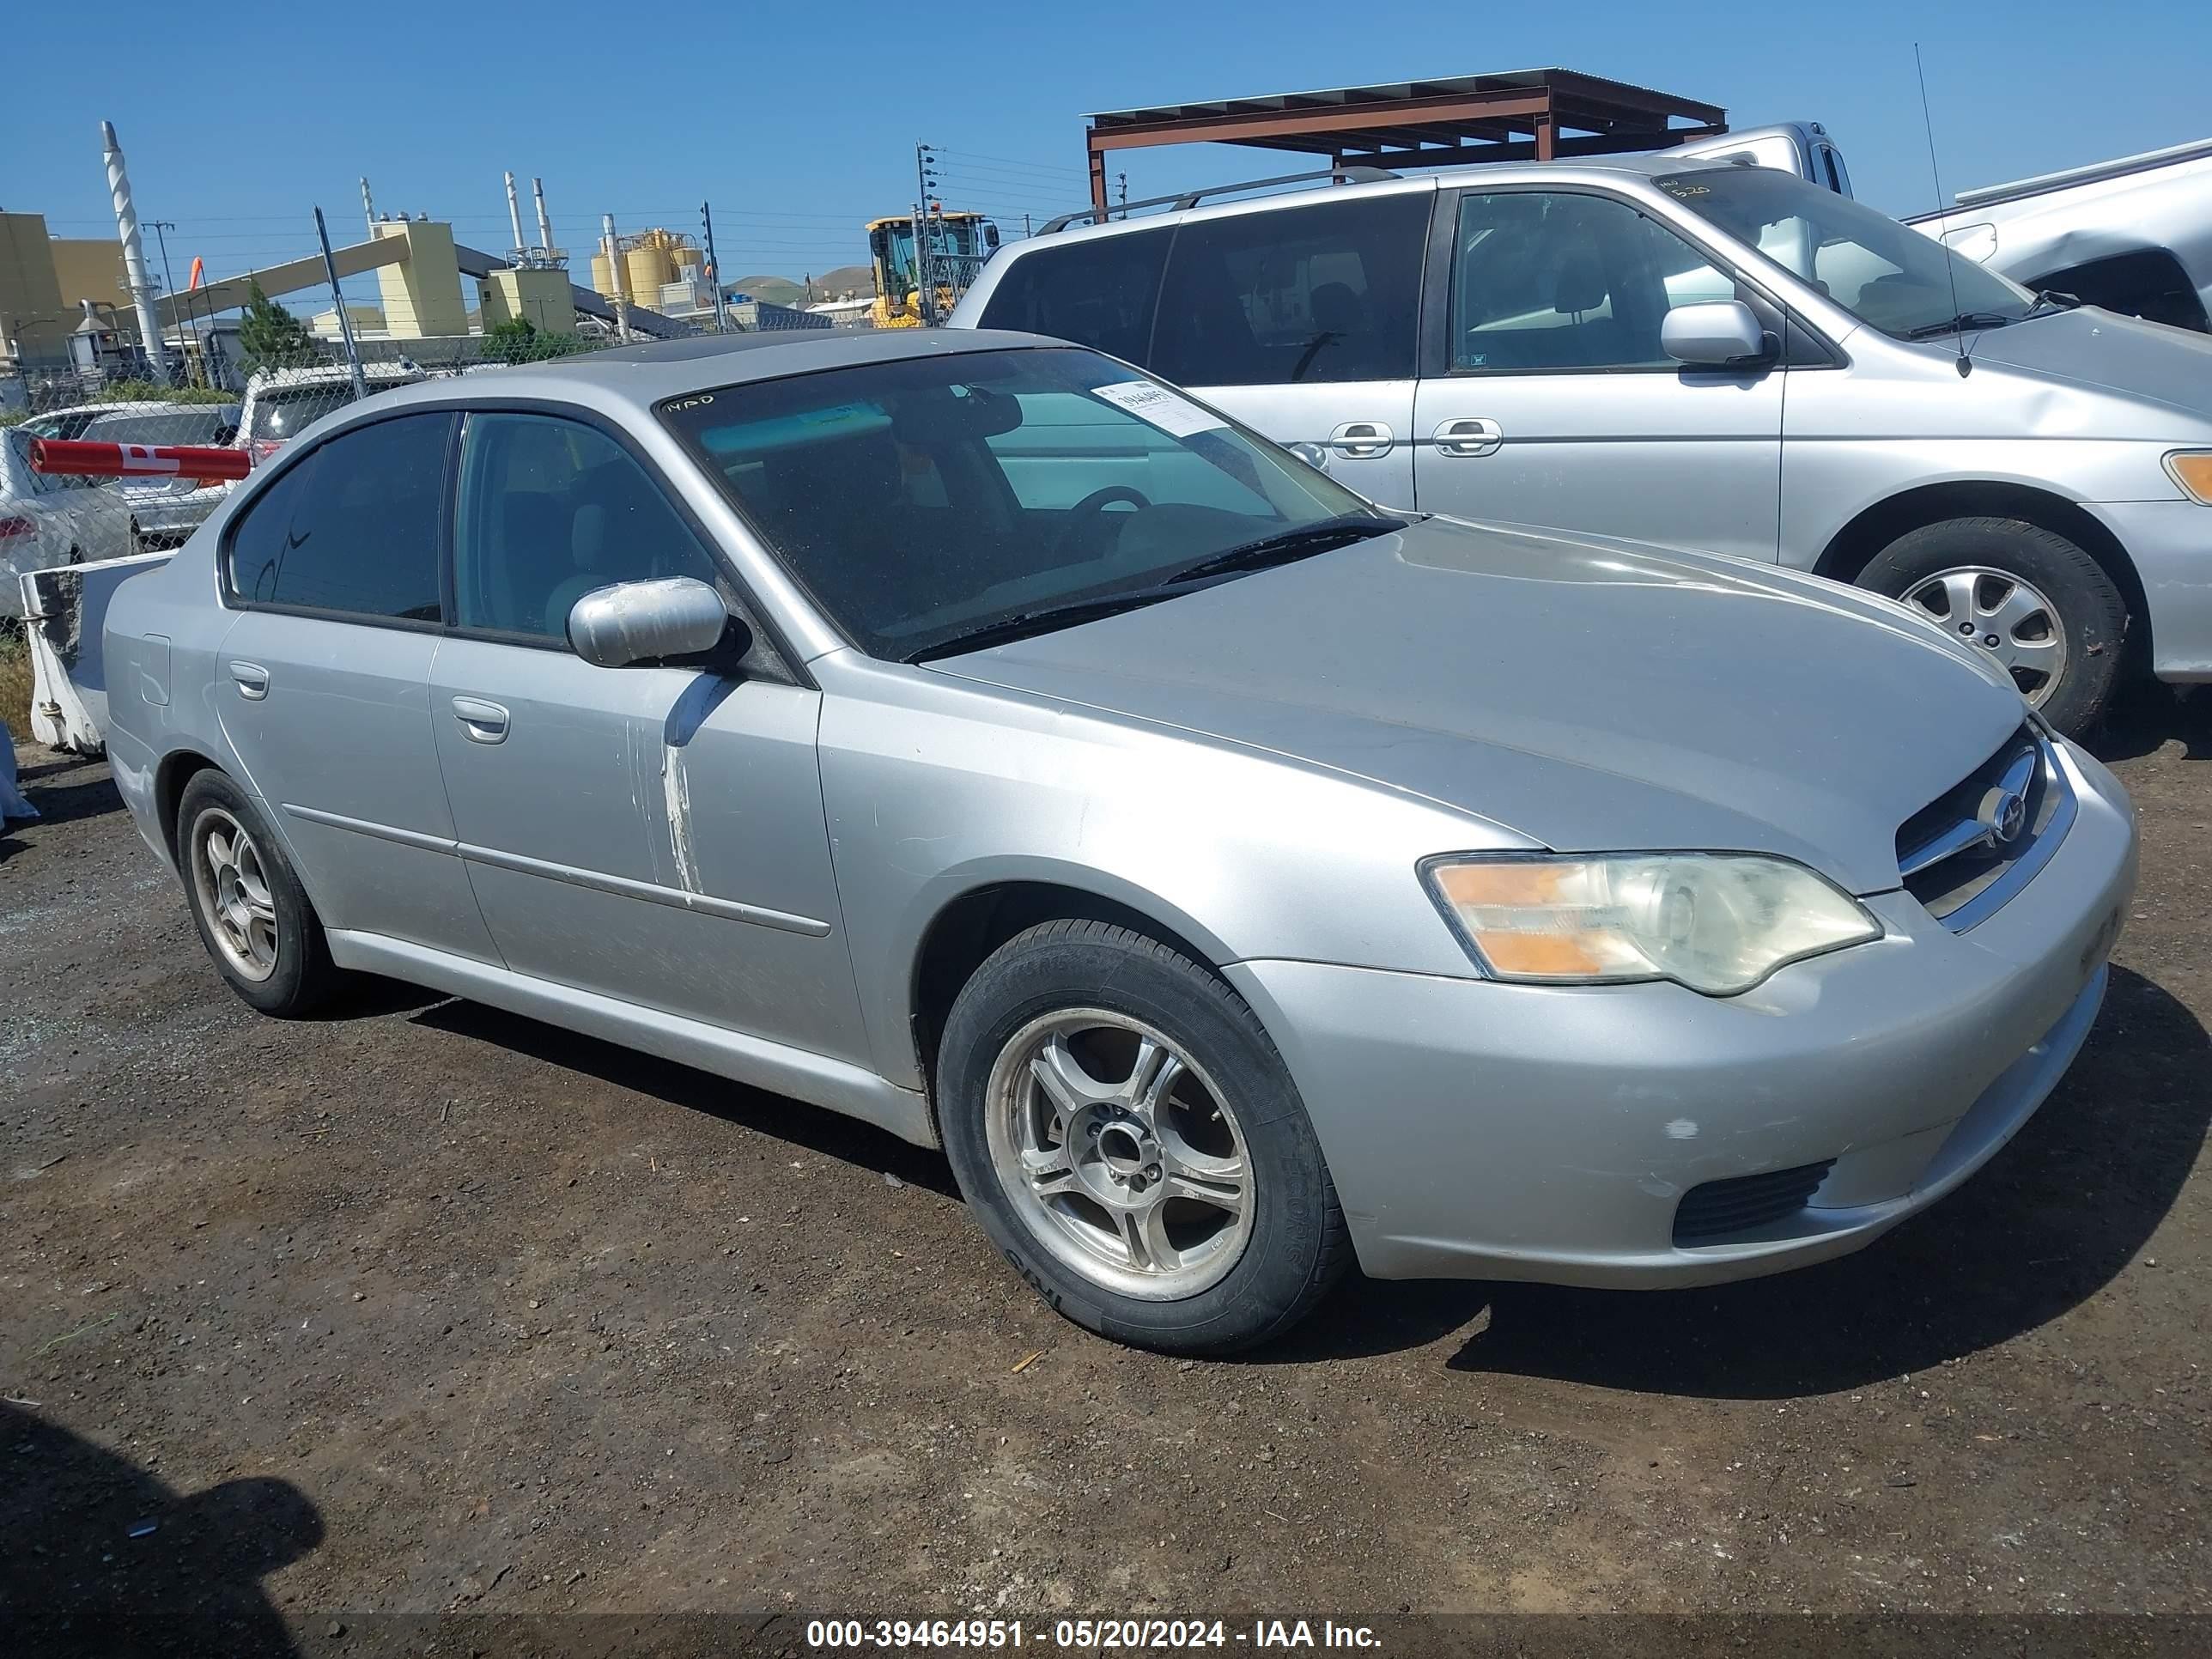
column 134, row 251
column 545, row 224
column 515, row 216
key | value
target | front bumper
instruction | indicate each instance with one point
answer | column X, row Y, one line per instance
column 1479, row 1129
column 2170, row 544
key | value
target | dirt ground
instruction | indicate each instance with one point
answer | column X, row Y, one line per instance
column 428, row 1310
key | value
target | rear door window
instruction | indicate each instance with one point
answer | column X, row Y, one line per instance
column 1098, row 291
column 353, row 528
column 1296, row 295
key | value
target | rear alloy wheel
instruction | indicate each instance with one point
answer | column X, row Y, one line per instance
column 2043, row 610
column 1127, row 1135
column 252, row 914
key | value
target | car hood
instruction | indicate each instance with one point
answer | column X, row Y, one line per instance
column 2103, row 349
column 1586, row 694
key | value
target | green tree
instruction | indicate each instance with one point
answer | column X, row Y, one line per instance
column 519, row 340
column 514, row 341
column 270, row 336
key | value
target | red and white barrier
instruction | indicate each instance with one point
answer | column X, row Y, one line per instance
column 205, row 463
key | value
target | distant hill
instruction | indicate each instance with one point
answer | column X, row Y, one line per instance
column 828, row 285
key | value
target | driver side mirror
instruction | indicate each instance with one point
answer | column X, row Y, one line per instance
column 664, row 620
column 1714, row 334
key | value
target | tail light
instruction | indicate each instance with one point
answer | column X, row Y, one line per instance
column 15, row 529
column 262, row 448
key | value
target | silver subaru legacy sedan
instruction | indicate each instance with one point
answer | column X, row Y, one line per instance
column 972, row 734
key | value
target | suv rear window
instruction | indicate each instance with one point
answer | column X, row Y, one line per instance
column 1098, row 291
column 286, row 412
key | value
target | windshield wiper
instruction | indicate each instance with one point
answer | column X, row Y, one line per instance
column 1960, row 324
column 1301, row 543
column 2049, row 300
column 1043, row 620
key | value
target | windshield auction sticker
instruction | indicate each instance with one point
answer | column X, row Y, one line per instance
column 1150, row 401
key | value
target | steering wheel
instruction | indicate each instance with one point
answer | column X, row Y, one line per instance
column 1085, row 515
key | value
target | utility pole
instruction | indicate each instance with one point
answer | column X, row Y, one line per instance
column 925, row 261
column 134, row 251
column 159, row 226
column 621, row 279
column 713, row 265
column 345, row 322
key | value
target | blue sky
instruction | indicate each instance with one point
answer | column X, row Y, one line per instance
column 799, row 125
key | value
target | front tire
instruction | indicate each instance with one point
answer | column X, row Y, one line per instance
column 1128, row 1137
column 253, row 916
column 2043, row 608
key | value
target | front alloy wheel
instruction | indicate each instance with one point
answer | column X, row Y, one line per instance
column 1123, row 1156
column 2003, row 615
column 1127, row 1134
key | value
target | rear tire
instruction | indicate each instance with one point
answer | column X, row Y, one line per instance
column 2055, row 616
column 1157, row 1180
column 253, row 916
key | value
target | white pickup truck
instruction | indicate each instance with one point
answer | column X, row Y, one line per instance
column 2133, row 235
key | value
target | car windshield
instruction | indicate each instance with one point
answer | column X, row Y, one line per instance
column 1882, row 272
column 286, row 412
column 927, row 502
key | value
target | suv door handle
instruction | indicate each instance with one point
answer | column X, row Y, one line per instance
column 1360, row 440
column 1468, row 437
column 251, row 679
column 480, row 721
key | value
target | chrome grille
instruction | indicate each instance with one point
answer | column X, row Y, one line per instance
column 1968, row 851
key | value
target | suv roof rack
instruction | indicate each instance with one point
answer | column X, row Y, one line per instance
column 1184, row 200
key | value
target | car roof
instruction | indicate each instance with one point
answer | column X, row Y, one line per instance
column 642, row 376
column 1586, row 170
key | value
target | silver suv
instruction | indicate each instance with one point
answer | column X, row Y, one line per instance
column 1705, row 355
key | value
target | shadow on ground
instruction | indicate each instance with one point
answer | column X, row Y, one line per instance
column 829, row 1133
column 65, row 803
column 74, row 1579
column 2147, row 715
column 2050, row 1221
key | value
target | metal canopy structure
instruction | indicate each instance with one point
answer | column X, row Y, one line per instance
column 1542, row 114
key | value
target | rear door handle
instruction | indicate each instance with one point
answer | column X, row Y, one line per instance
column 480, row 721
column 1468, row 437
column 1360, row 440
column 253, row 680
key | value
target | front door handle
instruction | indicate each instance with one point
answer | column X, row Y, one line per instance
column 252, row 679
column 1467, row 437
column 480, row 721
column 1360, row 440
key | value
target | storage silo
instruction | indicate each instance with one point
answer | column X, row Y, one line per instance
column 648, row 268
column 602, row 275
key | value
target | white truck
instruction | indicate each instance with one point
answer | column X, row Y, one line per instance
column 2133, row 235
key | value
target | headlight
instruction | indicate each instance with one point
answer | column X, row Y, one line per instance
column 1717, row 923
column 2192, row 470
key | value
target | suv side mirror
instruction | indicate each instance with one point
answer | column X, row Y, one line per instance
column 629, row 623
column 1713, row 334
